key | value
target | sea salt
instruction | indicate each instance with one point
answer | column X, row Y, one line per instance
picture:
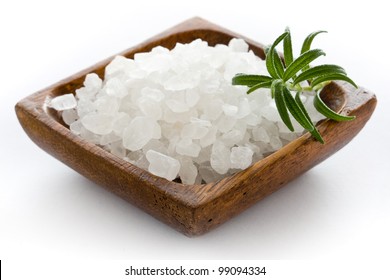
column 176, row 114
column 241, row 157
column 162, row 165
column 139, row 132
column 63, row 102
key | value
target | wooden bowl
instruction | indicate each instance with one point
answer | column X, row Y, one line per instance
column 191, row 209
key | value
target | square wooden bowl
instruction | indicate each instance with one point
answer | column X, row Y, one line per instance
column 191, row 209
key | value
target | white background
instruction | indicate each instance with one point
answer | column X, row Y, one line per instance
column 339, row 209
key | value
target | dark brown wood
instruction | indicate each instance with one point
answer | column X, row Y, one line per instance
column 193, row 209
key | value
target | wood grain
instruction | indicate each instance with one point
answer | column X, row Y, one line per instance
column 191, row 209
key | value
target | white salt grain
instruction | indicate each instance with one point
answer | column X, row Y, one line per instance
column 100, row 124
column 69, row 116
column 139, row 132
column 162, row 165
column 114, row 87
column 188, row 171
column 241, row 157
column 63, row 102
column 76, row 127
column 176, row 113
column 238, row 45
column 187, row 147
column 220, row 158
column 260, row 134
column 93, row 83
column 229, row 110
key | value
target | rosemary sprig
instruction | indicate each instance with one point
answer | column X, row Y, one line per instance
column 286, row 76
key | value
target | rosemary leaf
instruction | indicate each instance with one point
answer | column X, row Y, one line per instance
column 270, row 59
column 314, row 132
column 318, row 71
column 332, row 77
column 296, row 111
column 302, row 61
column 327, row 112
column 309, row 39
column 281, row 104
column 249, row 80
column 287, row 48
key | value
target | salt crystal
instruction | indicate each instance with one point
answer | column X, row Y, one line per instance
column 98, row 123
column 260, row 134
column 229, row 110
column 276, row 143
column 76, row 127
column 139, row 132
column 117, row 149
column 153, row 61
column 243, row 108
column 288, row 136
column 85, row 93
column 193, row 131
column 177, row 106
column 69, row 116
column 211, row 84
column 238, row 45
column 208, row 174
column 89, row 136
column 241, row 157
column 252, row 119
column 171, row 117
column 119, row 67
column 187, row 147
column 220, row 158
column 138, row 158
column 84, row 107
column 114, row 87
column 252, row 146
column 109, row 138
column 225, row 123
column 232, row 137
column 150, row 108
column 181, row 81
column 152, row 94
column 191, row 97
column 271, row 113
column 213, row 109
column 93, row 83
column 200, row 122
column 63, row 102
column 155, row 145
column 204, row 155
column 188, row 171
column 121, row 121
column 209, row 138
column 162, row 165
column 107, row 105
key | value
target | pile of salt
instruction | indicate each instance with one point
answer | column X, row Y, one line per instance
column 175, row 113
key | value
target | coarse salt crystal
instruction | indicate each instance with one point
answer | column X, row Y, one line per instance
column 63, row 102
column 162, row 165
column 241, row 157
